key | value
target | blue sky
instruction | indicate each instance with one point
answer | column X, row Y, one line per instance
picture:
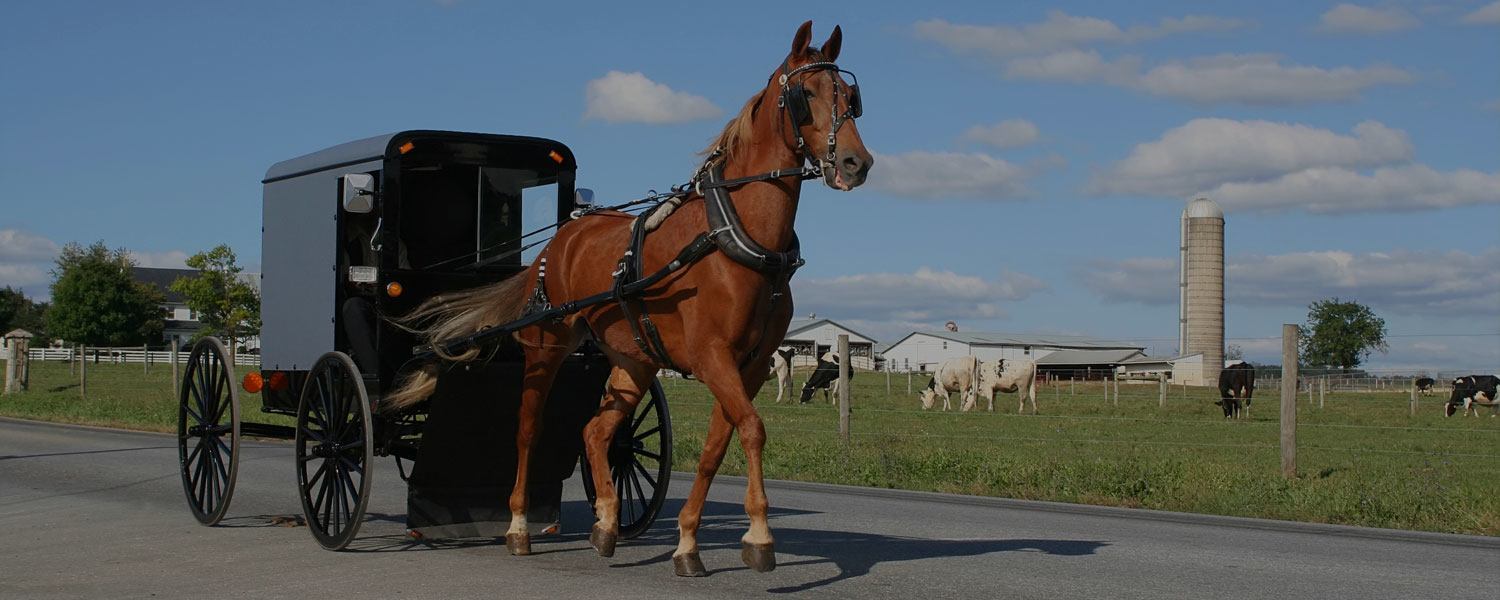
column 1031, row 159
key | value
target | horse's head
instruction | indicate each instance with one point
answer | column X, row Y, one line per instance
column 820, row 102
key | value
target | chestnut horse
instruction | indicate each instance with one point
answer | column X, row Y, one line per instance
column 717, row 318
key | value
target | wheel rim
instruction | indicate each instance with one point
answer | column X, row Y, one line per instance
column 640, row 464
column 208, row 431
column 334, row 450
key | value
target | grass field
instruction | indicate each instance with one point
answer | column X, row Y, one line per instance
column 1363, row 460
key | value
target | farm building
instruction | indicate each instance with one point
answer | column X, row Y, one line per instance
column 923, row 350
column 1180, row 370
column 180, row 323
column 1085, row 364
column 813, row 337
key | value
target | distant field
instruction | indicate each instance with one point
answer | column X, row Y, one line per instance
column 1363, row 460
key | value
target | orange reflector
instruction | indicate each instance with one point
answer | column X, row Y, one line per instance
column 407, row 147
column 253, row 383
column 278, row 381
column 557, row 158
column 393, row 289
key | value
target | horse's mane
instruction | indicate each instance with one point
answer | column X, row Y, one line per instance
column 736, row 131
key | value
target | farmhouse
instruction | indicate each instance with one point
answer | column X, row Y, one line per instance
column 923, row 350
column 813, row 337
column 180, row 323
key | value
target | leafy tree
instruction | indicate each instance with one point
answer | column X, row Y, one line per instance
column 19, row 312
column 226, row 304
column 97, row 301
column 1234, row 352
column 1340, row 334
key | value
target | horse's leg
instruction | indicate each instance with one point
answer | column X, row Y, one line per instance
column 542, row 364
column 628, row 382
column 731, row 394
column 685, row 559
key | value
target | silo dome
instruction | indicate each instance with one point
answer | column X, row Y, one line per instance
column 1203, row 208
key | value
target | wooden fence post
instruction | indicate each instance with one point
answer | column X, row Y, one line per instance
column 1115, row 381
column 1161, row 400
column 844, row 386
column 888, row 382
column 145, row 359
column 1413, row 397
column 1071, row 387
column 174, row 364
column 1289, row 401
column 83, row 375
column 1322, row 391
column 12, row 374
column 908, row 382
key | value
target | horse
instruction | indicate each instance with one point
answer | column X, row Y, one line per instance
column 719, row 318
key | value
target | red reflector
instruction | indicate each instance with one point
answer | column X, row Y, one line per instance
column 278, row 381
column 252, row 382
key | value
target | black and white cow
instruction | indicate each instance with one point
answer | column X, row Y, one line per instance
column 1017, row 375
column 1236, row 383
column 1424, row 386
column 825, row 377
column 781, row 367
column 1471, row 392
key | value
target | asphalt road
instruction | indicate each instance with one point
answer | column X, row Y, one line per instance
column 93, row 513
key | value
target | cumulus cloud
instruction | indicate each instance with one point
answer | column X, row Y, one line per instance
column 1063, row 48
column 1338, row 190
column 1432, row 283
column 1488, row 14
column 940, row 175
column 1206, row 152
column 620, row 97
column 1262, row 79
column 1011, row 133
column 1353, row 18
column 25, row 260
column 922, row 297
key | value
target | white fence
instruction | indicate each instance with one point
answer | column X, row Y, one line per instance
column 127, row 355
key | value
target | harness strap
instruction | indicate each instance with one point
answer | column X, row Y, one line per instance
column 729, row 234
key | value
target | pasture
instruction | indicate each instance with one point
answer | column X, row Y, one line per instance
column 1362, row 459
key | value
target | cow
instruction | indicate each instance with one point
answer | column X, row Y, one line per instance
column 1236, row 383
column 781, row 367
column 824, row 377
column 1016, row 376
column 958, row 374
column 1472, row 392
column 1424, row 386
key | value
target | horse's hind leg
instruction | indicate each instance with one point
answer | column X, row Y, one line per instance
column 628, row 382
column 542, row 363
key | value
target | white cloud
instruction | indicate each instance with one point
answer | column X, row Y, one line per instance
column 1075, row 66
column 1206, row 152
column 1262, row 79
column 620, row 97
column 921, row 297
column 1433, row 283
column 20, row 246
column 1010, row 133
column 1488, row 14
column 1353, row 18
column 940, row 175
column 1339, row 190
column 1061, row 31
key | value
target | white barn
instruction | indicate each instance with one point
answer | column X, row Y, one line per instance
column 923, row 350
column 812, row 337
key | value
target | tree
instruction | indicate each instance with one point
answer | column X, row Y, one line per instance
column 1340, row 334
column 97, row 301
column 226, row 304
column 19, row 312
column 1234, row 352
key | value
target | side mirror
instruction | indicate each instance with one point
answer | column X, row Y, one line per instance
column 583, row 198
column 359, row 192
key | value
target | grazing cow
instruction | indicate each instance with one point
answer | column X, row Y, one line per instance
column 825, row 377
column 959, row 374
column 1016, row 376
column 781, row 367
column 1424, row 386
column 1236, row 383
column 1472, row 392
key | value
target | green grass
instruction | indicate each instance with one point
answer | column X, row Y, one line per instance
column 1362, row 459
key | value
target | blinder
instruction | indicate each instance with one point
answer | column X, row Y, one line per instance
column 794, row 95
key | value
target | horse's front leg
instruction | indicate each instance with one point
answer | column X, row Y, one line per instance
column 732, row 397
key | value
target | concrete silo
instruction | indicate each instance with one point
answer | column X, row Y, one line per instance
column 1201, row 282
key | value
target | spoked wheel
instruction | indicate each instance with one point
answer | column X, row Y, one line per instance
column 334, row 450
column 208, row 431
column 640, row 463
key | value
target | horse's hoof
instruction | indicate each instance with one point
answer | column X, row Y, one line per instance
column 519, row 544
column 602, row 541
column 761, row 558
column 689, row 565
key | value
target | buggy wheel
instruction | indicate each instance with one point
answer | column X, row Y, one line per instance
column 335, row 448
column 208, row 431
column 640, row 463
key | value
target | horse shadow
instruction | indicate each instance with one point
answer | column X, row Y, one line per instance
column 854, row 554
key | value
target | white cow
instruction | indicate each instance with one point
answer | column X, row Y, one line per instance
column 959, row 374
column 781, row 367
column 1009, row 376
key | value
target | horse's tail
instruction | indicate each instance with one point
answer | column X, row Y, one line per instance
column 448, row 317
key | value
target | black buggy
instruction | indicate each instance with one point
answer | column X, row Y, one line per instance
column 360, row 232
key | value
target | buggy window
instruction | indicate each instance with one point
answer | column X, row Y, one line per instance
column 457, row 217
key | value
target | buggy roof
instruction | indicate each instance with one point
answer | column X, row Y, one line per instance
column 381, row 146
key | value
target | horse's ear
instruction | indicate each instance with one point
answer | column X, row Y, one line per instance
column 831, row 47
column 802, row 40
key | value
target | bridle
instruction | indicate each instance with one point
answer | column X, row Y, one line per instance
column 793, row 101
